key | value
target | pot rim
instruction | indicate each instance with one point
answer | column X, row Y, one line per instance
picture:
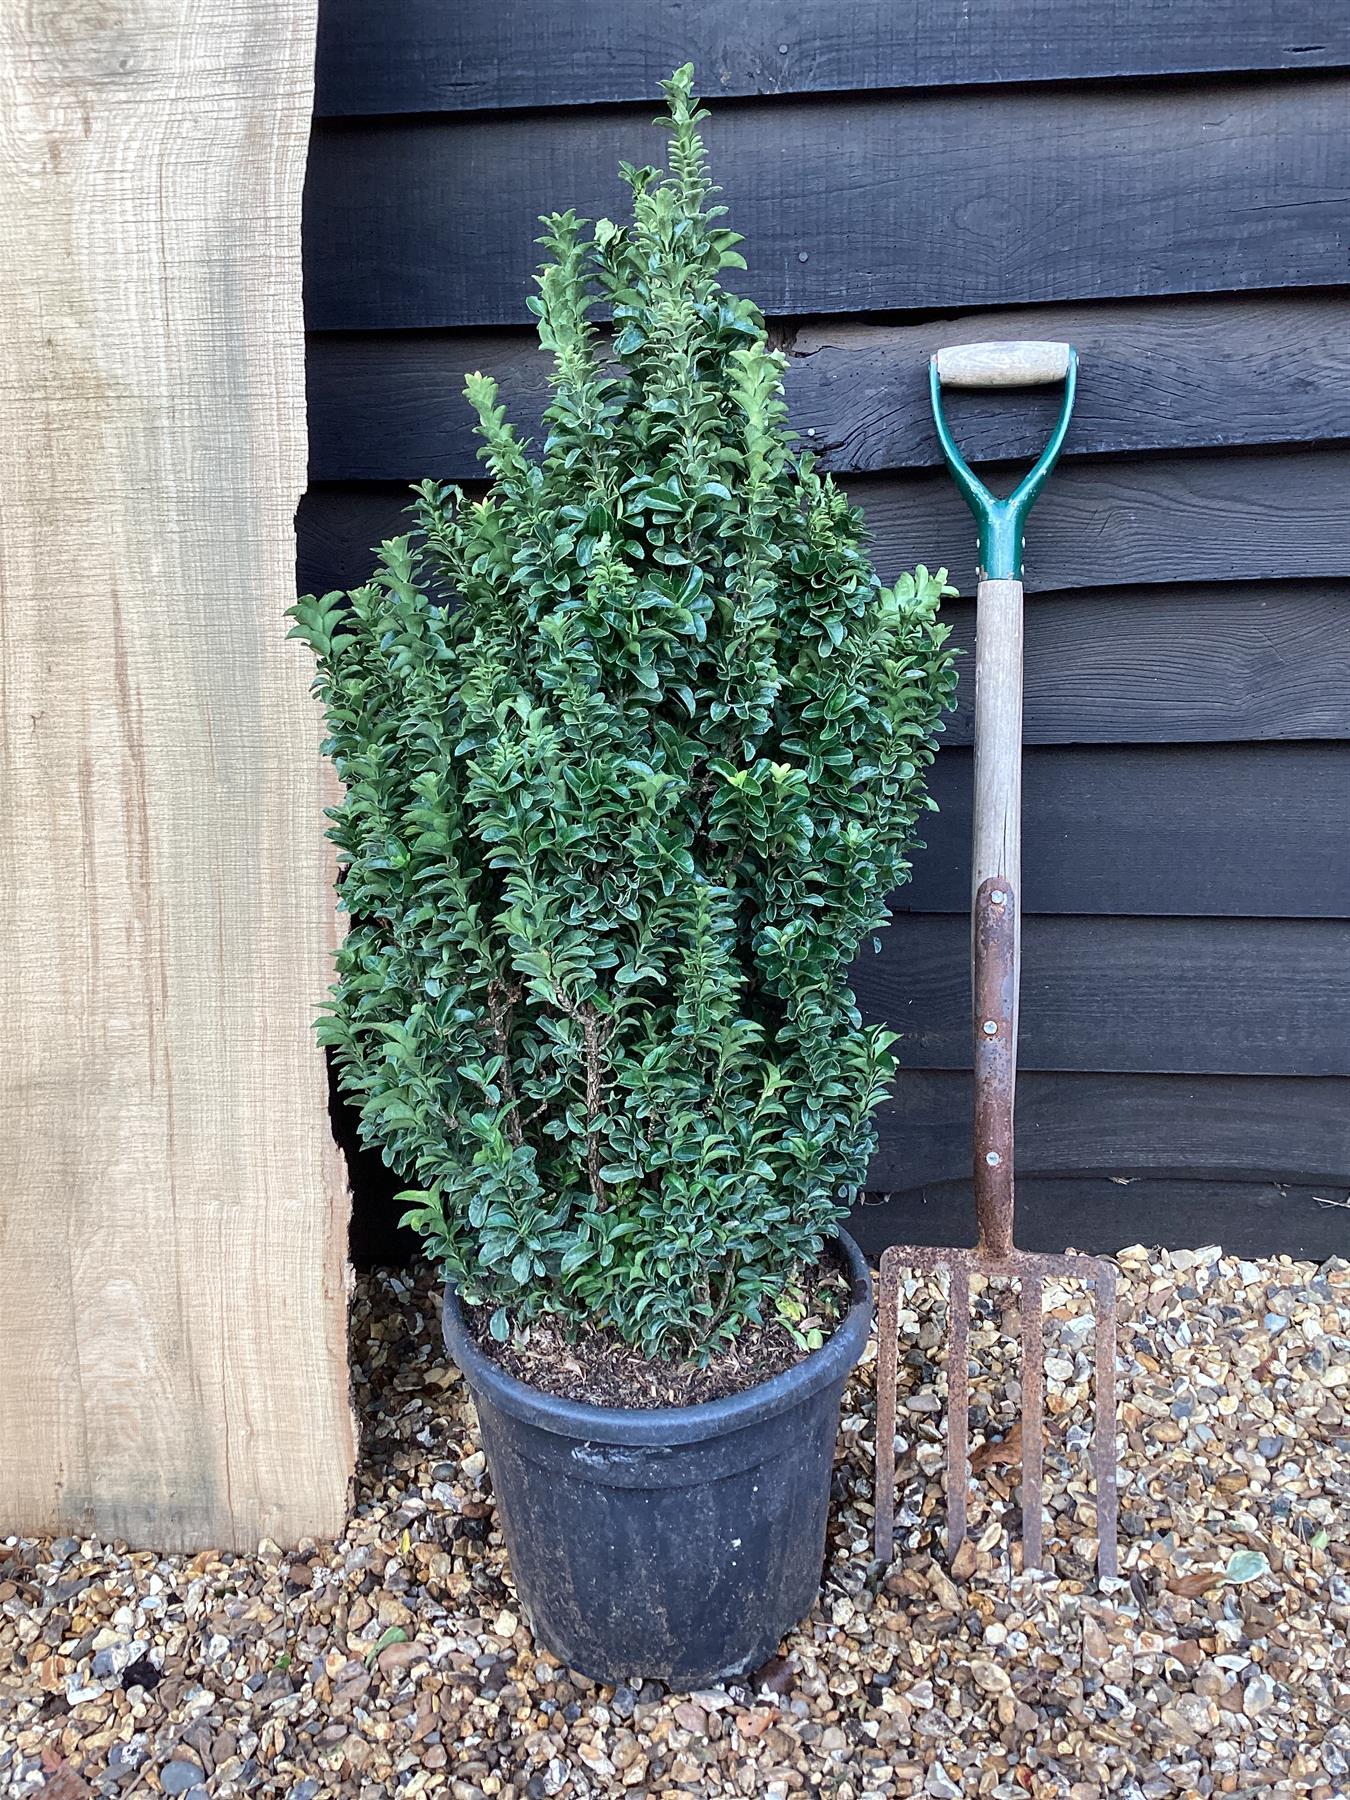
column 669, row 1425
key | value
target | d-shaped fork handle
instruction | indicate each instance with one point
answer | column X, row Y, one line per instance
column 1002, row 523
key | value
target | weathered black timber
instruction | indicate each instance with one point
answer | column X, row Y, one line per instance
column 1165, row 996
column 1246, row 1218
column 1211, row 1126
column 1164, row 185
column 1242, row 831
column 1166, row 519
column 1186, row 374
column 1166, row 665
column 857, row 204
column 1238, row 519
column 420, row 56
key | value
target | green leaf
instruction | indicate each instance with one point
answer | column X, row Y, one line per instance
column 392, row 1634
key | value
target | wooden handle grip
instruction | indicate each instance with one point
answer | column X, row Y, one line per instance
column 1025, row 364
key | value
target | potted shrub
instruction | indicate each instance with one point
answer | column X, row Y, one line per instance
column 633, row 752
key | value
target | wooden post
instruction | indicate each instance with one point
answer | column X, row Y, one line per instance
column 173, row 1210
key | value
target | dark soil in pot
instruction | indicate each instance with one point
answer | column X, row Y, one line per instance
column 676, row 1543
column 598, row 1367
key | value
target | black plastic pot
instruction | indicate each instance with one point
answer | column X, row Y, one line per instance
column 677, row 1543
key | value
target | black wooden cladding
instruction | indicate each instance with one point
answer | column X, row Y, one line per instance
column 1246, row 831
column 976, row 198
column 1184, row 375
column 1104, row 1214
column 1172, row 996
column 1161, row 519
column 1098, row 524
column 1151, row 665
column 1187, row 776
column 1211, row 1126
column 402, row 56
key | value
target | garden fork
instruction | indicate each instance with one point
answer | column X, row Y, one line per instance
column 996, row 955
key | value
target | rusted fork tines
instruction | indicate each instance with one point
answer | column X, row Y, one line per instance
column 1032, row 1272
column 994, row 1256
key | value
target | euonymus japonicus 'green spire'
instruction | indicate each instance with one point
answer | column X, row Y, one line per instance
column 633, row 752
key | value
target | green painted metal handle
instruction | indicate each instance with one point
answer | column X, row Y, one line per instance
column 1002, row 523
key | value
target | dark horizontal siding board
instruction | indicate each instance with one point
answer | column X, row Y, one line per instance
column 1246, row 662
column 1180, row 664
column 1166, row 996
column 1247, row 1218
column 335, row 530
column 1279, row 1128
column 985, row 197
column 1238, row 831
column 1166, row 519
column 1182, row 374
column 1163, row 519
column 401, row 56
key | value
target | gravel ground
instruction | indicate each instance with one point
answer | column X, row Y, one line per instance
column 397, row 1661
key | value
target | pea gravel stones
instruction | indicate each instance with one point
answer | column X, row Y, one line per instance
column 396, row 1661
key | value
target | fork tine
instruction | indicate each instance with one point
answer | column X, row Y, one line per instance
column 1104, row 1448
column 888, row 1333
column 1031, row 1271
column 958, row 1404
column 1033, row 1381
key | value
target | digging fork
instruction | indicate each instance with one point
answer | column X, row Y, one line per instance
column 996, row 955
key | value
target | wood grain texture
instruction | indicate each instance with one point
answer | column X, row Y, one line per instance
column 1180, row 664
column 1248, row 1218
column 997, row 733
column 1165, row 519
column 422, row 56
column 172, row 1205
column 1224, row 831
column 1162, row 519
column 1211, row 1126
column 1180, row 374
column 1143, row 996
column 1001, row 363
column 996, row 852
column 856, row 205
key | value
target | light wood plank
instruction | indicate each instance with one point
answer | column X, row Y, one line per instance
column 173, row 1209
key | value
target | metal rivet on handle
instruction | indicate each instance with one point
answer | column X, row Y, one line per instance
column 993, row 1159
column 990, row 1027
column 998, row 897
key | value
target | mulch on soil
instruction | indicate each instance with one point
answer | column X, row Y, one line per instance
column 597, row 1367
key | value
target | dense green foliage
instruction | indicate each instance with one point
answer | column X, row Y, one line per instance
column 633, row 752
